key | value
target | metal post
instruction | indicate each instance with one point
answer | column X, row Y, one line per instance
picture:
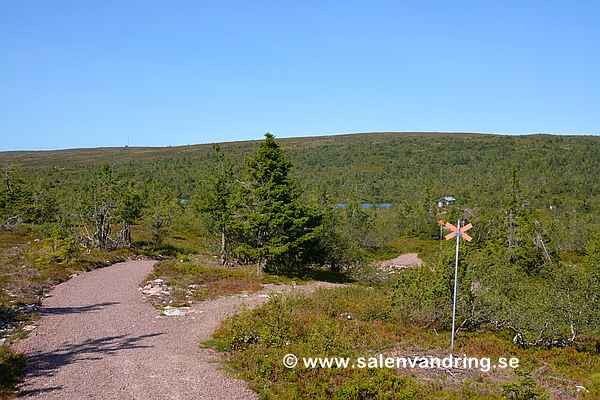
column 455, row 284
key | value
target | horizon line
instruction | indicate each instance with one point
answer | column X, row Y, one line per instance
column 296, row 137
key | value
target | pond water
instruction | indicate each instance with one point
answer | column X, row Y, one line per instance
column 369, row 205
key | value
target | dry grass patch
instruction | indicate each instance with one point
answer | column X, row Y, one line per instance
column 196, row 280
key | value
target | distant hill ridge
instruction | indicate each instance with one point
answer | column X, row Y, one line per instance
column 80, row 156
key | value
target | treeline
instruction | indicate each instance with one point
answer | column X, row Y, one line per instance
column 553, row 177
column 258, row 213
column 534, row 202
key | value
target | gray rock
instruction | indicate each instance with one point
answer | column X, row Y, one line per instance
column 174, row 312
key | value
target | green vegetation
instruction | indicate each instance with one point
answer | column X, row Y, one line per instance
column 32, row 264
column 529, row 281
column 365, row 322
column 194, row 280
column 270, row 223
column 215, row 201
column 11, row 368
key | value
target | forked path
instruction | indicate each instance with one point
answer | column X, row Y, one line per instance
column 99, row 339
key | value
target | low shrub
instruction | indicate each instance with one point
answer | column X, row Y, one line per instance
column 358, row 321
column 11, row 369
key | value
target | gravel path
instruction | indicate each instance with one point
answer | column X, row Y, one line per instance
column 99, row 339
column 404, row 261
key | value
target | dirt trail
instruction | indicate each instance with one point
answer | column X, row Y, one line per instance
column 403, row 261
column 99, row 339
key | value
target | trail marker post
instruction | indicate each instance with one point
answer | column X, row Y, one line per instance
column 457, row 232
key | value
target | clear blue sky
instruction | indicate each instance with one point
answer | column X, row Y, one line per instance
column 104, row 72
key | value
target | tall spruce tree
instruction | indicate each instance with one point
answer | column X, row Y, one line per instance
column 273, row 227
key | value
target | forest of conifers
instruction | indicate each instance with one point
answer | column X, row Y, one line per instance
column 554, row 177
column 534, row 201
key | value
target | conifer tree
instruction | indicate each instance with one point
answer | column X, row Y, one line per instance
column 129, row 210
column 273, row 227
column 216, row 200
column 103, row 203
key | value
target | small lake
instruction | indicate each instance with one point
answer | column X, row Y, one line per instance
column 369, row 205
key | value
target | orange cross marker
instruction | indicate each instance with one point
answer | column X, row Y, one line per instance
column 441, row 222
column 458, row 232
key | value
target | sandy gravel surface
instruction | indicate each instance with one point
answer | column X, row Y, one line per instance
column 404, row 260
column 99, row 339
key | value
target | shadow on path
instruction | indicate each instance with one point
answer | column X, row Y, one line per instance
column 44, row 364
column 33, row 392
column 76, row 310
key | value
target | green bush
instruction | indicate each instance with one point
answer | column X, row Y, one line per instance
column 11, row 368
column 378, row 384
column 423, row 296
column 525, row 389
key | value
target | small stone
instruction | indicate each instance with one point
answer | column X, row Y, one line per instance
column 29, row 327
column 174, row 312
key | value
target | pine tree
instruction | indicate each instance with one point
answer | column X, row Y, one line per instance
column 103, row 193
column 16, row 202
column 129, row 211
column 160, row 214
column 216, row 200
column 273, row 227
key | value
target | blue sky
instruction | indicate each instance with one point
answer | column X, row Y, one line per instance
column 155, row 73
